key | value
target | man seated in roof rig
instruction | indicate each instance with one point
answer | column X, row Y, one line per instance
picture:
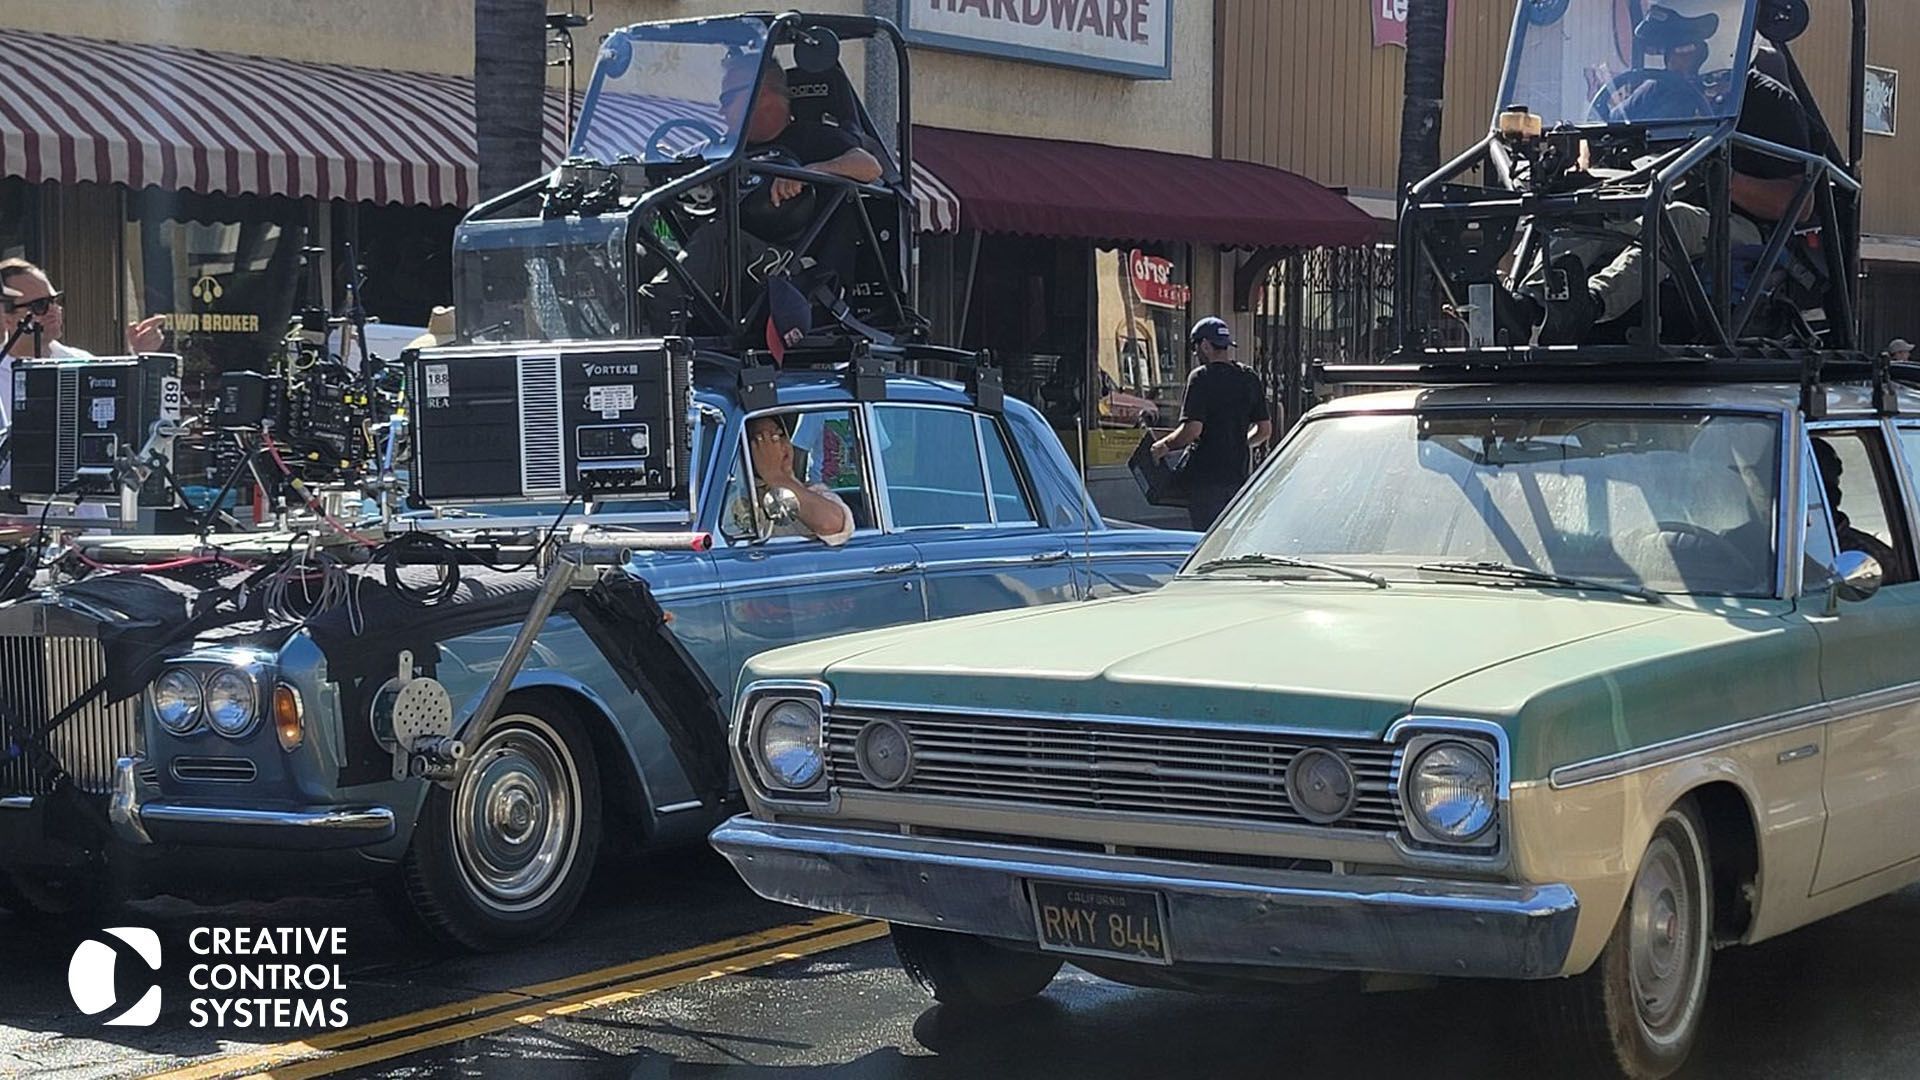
column 775, row 210
column 1762, row 186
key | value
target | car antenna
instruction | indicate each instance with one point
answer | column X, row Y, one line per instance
column 1086, row 499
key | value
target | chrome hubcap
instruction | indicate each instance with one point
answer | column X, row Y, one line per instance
column 1665, row 939
column 516, row 815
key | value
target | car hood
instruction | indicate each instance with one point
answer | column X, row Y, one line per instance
column 1340, row 658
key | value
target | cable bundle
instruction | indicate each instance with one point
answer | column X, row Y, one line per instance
column 308, row 584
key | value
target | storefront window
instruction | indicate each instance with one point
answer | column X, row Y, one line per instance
column 1145, row 304
column 225, row 270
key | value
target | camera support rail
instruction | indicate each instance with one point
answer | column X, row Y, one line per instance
column 429, row 742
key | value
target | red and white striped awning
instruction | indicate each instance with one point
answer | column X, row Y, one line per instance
column 936, row 209
column 114, row 112
column 86, row 110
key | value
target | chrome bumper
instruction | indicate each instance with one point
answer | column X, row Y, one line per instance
column 1224, row 916
column 139, row 819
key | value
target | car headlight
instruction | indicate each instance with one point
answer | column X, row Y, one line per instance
column 232, row 706
column 787, row 742
column 1453, row 793
column 176, row 701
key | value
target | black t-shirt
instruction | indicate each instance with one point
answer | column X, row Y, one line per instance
column 1771, row 111
column 1226, row 398
column 808, row 144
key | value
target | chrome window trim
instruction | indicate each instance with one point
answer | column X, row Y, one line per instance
column 1021, row 481
column 993, row 522
column 1625, row 762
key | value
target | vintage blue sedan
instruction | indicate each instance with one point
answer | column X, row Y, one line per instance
column 264, row 750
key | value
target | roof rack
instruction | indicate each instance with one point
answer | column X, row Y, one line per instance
column 1686, row 365
column 864, row 363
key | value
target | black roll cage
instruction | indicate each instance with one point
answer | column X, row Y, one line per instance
column 1829, row 184
column 785, row 28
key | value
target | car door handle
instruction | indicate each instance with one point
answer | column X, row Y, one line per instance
column 1049, row 556
column 896, row 568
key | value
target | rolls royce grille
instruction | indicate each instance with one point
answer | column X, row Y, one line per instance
column 1188, row 773
column 39, row 676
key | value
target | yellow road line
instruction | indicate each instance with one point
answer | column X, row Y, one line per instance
column 267, row 1057
column 484, row 1025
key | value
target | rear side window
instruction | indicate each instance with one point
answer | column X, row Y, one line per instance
column 931, row 461
column 1010, row 505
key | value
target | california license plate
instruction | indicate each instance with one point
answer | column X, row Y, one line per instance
column 1121, row 923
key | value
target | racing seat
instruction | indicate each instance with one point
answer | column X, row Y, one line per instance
column 827, row 97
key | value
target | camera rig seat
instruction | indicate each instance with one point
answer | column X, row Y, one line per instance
column 1629, row 128
column 603, row 248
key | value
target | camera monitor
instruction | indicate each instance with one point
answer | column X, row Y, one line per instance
column 82, row 427
column 523, row 422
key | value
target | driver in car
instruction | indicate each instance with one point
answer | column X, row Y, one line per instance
column 816, row 510
column 771, row 134
column 1762, row 188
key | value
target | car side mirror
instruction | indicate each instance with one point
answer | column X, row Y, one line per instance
column 778, row 506
column 1857, row 575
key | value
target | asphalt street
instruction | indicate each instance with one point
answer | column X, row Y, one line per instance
column 672, row 970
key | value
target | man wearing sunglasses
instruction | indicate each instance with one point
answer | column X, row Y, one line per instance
column 37, row 297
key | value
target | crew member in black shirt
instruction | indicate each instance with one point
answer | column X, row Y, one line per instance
column 1762, row 190
column 1224, row 419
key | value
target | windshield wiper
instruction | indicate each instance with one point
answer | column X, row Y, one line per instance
column 1510, row 572
column 1257, row 558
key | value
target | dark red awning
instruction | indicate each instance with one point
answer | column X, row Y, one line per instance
column 1084, row 191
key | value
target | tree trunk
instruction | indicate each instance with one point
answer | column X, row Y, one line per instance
column 1425, row 93
column 509, row 79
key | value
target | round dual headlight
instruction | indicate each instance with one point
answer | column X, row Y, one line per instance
column 232, row 706
column 176, row 701
column 789, row 744
column 1452, row 792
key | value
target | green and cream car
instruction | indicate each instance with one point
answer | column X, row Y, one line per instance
column 1564, row 683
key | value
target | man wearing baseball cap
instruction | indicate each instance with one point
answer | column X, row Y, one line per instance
column 1900, row 350
column 1224, row 418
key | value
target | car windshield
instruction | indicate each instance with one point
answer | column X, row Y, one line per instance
column 665, row 92
column 1666, row 502
column 1627, row 61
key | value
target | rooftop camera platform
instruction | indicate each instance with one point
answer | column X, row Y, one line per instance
column 1658, row 197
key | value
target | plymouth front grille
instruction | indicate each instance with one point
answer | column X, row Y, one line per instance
column 1194, row 774
column 39, row 676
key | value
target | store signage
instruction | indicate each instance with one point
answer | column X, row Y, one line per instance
column 1390, row 22
column 1121, row 37
column 1153, row 281
column 196, row 322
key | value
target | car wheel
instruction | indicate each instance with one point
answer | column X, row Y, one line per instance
column 503, row 858
column 1636, row 1012
column 967, row 972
